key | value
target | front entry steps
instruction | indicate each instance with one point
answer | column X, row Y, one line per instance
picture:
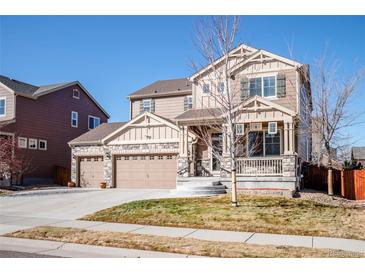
column 200, row 186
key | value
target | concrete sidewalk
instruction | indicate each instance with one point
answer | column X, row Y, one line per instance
column 220, row 235
column 69, row 250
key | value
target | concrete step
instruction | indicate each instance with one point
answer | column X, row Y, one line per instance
column 202, row 187
column 201, row 192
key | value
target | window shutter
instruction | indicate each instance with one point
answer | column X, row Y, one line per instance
column 245, row 90
column 186, row 103
column 140, row 106
column 281, row 85
column 152, row 105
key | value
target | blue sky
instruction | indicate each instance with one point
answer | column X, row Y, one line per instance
column 114, row 56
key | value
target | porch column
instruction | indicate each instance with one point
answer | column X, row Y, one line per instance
column 184, row 141
column 183, row 161
column 291, row 138
column 286, row 137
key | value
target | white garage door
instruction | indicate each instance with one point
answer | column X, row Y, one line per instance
column 91, row 171
column 146, row 171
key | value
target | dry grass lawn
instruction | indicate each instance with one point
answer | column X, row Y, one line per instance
column 177, row 245
column 254, row 214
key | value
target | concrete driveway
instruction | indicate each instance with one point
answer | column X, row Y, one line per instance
column 42, row 208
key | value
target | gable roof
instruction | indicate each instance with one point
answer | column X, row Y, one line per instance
column 95, row 135
column 358, row 153
column 164, row 88
column 32, row 91
column 250, row 53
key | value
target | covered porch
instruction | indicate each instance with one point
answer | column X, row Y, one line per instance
column 265, row 144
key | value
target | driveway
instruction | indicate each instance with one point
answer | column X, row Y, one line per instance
column 21, row 212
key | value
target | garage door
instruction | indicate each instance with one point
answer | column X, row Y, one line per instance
column 146, row 171
column 91, row 171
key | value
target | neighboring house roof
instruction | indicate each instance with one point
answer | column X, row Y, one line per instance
column 95, row 135
column 32, row 91
column 358, row 153
column 199, row 114
column 164, row 88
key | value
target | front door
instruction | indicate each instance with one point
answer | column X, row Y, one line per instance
column 217, row 150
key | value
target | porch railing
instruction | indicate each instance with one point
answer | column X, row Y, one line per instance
column 260, row 166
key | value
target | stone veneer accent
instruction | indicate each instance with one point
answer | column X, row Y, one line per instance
column 289, row 165
column 109, row 151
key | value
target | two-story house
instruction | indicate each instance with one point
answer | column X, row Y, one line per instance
column 43, row 119
column 159, row 147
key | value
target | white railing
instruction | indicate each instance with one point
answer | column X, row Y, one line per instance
column 260, row 166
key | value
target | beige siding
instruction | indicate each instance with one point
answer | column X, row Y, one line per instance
column 202, row 100
column 10, row 103
column 167, row 107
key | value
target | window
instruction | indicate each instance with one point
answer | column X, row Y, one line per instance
column 22, row 142
column 42, row 145
column 260, row 143
column 76, row 93
column 263, row 86
column 74, row 119
column 206, row 88
column 255, row 87
column 190, row 102
column 255, row 144
column 93, row 122
column 272, row 144
column 169, row 157
column 269, row 86
column 2, row 106
column 146, row 105
column 160, row 157
column 152, row 157
column 272, row 128
column 239, row 129
column 32, row 143
column 221, row 87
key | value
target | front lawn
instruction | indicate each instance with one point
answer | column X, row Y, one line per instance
column 254, row 214
column 176, row 244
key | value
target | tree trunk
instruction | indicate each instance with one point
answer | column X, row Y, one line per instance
column 234, row 188
column 330, row 182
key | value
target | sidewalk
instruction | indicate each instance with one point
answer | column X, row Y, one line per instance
column 220, row 235
column 69, row 250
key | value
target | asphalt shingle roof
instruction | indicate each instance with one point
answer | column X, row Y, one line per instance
column 97, row 134
column 163, row 87
column 206, row 113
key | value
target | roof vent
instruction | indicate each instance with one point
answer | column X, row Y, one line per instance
column 157, row 90
column 178, row 89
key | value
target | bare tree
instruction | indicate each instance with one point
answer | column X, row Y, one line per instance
column 13, row 164
column 215, row 39
column 332, row 113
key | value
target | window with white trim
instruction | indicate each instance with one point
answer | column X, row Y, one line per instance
column 93, row 122
column 206, row 88
column 221, row 87
column 261, row 144
column 263, row 86
column 33, row 143
column 239, row 129
column 2, row 106
column 189, row 101
column 76, row 93
column 22, row 142
column 146, row 105
column 42, row 145
column 74, row 119
column 272, row 127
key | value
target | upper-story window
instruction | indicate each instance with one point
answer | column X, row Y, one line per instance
column 76, row 93
column 221, row 87
column 263, row 86
column 74, row 119
column 190, row 102
column 2, row 106
column 93, row 122
column 146, row 105
column 206, row 88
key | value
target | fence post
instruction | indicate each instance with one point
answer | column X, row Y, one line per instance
column 343, row 193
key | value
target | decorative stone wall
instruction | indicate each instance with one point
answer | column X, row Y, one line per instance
column 225, row 166
column 289, row 165
column 183, row 167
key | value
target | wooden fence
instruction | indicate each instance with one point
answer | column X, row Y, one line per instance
column 316, row 178
column 62, row 175
column 353, row 184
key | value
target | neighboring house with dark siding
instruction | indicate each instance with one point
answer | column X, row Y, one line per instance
column 43, row 119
